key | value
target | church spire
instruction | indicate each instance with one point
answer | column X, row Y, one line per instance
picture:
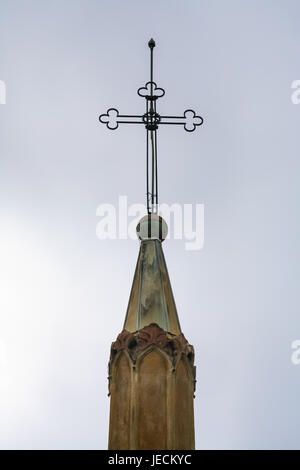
column 151, row 366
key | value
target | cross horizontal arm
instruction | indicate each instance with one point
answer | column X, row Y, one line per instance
column 112, row 119
column 151, row 119
column 189, row 120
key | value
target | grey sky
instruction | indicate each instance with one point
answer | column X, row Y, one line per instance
column 64, row 293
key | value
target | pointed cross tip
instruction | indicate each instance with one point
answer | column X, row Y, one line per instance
column 151, row 43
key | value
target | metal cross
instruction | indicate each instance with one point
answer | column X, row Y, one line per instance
column 151, row 120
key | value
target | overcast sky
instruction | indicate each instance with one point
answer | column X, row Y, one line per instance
column 64, row 292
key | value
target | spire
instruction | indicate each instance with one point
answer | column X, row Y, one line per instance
column 151, row 369
column 151, row 299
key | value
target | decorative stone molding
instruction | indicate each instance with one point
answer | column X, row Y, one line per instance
column 136, row 342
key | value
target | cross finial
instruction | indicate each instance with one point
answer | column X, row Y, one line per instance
column 151, row 43
column 151, row 120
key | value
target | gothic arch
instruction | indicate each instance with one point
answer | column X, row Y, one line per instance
column 184, row 405
column 120, row 388
column 152, row 370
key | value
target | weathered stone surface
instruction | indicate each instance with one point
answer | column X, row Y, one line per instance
column 153, row 372
column 151, row 366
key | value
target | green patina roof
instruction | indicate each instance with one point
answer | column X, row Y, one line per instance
column 151, row 298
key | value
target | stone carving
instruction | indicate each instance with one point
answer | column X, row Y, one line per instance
column 137, row 342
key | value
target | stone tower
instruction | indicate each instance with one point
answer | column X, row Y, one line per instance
column 151, row 367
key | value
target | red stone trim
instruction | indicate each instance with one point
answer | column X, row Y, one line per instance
column 135, row 343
